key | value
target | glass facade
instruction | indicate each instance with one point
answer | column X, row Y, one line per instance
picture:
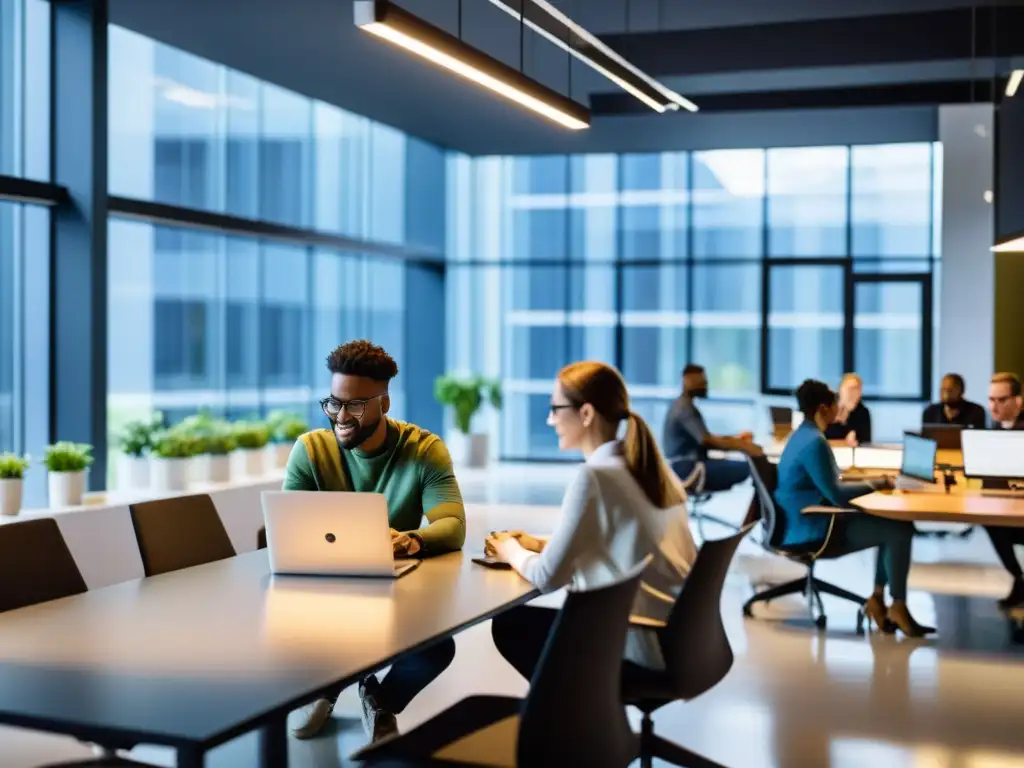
column 767, row 266
column 25, row 88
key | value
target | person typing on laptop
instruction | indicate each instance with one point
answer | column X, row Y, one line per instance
column 365, row 451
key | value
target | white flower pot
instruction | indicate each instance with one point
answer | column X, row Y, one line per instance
column 10, row 495
column 277, row 455
column 66, row 488
column 470, row 450
column 247, row 462
column 132, row 473
column 212, row 469
column 169, row 474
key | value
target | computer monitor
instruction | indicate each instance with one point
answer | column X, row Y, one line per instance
column 946, row 436
column 995, row 453
column 918, row 457
column 781, row 416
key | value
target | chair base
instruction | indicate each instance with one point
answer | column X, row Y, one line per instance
column 813, row 588
column 653, row 746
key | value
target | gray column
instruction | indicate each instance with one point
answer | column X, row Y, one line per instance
column 78, row 305
column 965, row 340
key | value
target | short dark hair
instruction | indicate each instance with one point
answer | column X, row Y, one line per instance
column 692, row 368
column 1008, row 378
column 958, row 380
column 813, row 394
column 362, row 358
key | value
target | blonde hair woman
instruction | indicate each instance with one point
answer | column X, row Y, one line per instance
column 853, row 419
column 623, row 506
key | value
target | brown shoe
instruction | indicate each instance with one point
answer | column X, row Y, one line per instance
column 900, row 616
column 875, row 611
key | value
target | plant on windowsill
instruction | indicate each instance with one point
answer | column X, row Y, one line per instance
column 285, row 429
column 133, row 461
column 215, row 440
column 172, row 451
column 465, row 396
column 67, row 465
column 251, row 438
column 12, row 474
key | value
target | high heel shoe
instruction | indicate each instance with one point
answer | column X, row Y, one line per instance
column 900, row 616
column 874, row 610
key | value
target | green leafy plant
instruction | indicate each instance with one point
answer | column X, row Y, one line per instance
column 12, row 466
column 251, row 434
column 290, row 430
column 65, row 456
column 137, row 436
column 211, row 436
column 176, row 443
column 465, row 395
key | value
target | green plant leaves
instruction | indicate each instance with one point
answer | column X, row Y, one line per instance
column 465, row 395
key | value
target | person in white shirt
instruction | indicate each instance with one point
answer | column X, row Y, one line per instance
column 625, row 505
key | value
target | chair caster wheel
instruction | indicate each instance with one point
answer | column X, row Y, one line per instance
column 821, row 622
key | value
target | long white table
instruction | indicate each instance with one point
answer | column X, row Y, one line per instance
column 194, row 658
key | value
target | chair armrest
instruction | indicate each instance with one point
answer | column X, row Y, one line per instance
column 645, row 623
column 814, row 510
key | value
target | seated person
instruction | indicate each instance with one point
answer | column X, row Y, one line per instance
column 853, row 419
column 687, row 439
column 365, row 451
column 624, row 505
column 952, row 407
column 808, row 476
column 1004, row 402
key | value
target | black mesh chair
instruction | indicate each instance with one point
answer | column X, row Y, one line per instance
column 178, row 533
column 697, row 498
column 573, row 714
column 766, row 481
column 695, row 648
column 36, row 565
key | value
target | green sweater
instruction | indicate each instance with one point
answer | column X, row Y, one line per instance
column 412, row 469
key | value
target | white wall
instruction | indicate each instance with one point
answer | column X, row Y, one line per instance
column 966, row 340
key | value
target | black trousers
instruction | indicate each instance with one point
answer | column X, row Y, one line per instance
column 520, row 634
column 1003, row 539
column 411, row 674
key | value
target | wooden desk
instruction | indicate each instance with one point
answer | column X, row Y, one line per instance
column 194, row 658
column 961, row 505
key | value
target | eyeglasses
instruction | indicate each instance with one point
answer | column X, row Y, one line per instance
column 355, row 408
column 556, row 407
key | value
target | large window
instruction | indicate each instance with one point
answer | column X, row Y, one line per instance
column 25, row 88
column 767, row 266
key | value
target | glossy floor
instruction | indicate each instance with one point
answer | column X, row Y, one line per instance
column 794, row 697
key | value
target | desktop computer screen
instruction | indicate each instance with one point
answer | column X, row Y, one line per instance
column 993, row 453
column 918, row 457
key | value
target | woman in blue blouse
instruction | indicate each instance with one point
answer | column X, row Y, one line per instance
column 809, row 476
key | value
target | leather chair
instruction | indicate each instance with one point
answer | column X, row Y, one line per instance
column 179, row 532
column 36, row 564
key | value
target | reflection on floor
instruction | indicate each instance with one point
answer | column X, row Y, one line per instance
column 794, row 697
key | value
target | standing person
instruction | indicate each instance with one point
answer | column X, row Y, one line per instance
column 623, row 506
column 1004, row 401
column 365, row 451
column 953, row 407
column 687, row 438
column 853, row 419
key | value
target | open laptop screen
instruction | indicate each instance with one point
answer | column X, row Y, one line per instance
column 918, row 457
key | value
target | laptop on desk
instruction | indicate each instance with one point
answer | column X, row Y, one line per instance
column 321, row 533
column 918, row 463
column 946, row 436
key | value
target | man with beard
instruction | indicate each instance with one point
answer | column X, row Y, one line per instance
column 687, row 439
column 953, row 408
column 365, row 451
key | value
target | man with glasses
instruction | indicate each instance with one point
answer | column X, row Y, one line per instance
column 1004, row 401
column 365, row 451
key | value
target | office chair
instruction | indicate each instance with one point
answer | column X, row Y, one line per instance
column 572, row 715
column 766, row 480
column 36, row 565
column 697, row 497
column 179, row 532
column 695, row 648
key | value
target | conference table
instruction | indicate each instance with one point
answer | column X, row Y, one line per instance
column 195, row 658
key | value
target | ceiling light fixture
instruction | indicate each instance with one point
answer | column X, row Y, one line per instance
column 401, row 28
column 1014, row 82
column 555, row 26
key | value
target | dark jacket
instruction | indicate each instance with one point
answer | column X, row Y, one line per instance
column 971, row 415
column 858, row 422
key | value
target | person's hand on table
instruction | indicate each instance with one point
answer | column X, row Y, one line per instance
column 501, row 545
column 753, row 449
column 747, row 437
column 851, row 439
column 403, row 544
column 885, row 483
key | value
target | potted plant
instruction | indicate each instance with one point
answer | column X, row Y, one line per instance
column 215, row 444
column 133, row 461
column 172, row 452
column 67, row 464
column 251, row 438
column 465, row 396
column 12, row 473
column 285, row 429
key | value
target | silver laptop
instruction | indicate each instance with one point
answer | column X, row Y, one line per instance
column 320, row 533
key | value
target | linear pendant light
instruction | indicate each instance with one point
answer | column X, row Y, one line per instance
column 1014, row 82
column 1013, row 244
column 401, row 28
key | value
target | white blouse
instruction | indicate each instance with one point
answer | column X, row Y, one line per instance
column 607, row 527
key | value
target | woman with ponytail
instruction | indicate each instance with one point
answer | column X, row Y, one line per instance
column 623, row 506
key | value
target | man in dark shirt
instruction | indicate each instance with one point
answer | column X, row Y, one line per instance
column 1005, row 402
column 687, row 440
column 953, row 408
